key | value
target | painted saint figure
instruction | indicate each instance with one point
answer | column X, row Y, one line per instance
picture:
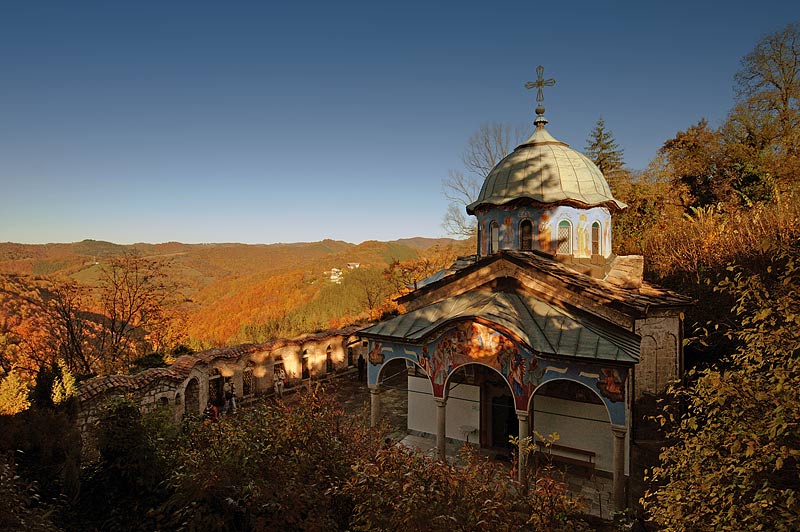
column 544, row 233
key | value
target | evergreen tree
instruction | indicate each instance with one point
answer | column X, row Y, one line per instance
column 602, row 149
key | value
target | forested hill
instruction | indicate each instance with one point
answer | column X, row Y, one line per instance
column 209, row 260
column 230, row 293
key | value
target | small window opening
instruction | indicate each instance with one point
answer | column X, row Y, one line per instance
column 526, row 235
column 596, row 238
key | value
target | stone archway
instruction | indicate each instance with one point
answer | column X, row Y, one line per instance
column 481, row 406
column 192, row 397
column 580, row 418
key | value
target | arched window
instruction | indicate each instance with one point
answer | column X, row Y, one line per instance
column 480, row 238
column 494, row 238
column 564, row 237
column 526, row 235
column 596, row 248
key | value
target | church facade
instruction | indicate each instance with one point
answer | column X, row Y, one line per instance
column 544, row 330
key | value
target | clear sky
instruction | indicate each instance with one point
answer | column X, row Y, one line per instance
column 261, row 122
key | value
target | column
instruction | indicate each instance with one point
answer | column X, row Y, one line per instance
column 375, row 404
column 522, row 465
column 620, row 433
column 441, row 426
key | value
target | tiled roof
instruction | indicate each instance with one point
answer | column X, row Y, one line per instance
column 640, row 300
column 543, row 327
column 184, row 365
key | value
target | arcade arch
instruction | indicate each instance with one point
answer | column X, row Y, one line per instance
column 580, row 417
column 192, row 395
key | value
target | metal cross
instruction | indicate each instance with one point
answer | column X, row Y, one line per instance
column 539, row 83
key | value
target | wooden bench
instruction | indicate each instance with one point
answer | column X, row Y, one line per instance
column 567, row 455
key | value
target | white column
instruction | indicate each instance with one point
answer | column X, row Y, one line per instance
column 375, row 405
column 441, row 426
column 620, row 433
column 522, row 465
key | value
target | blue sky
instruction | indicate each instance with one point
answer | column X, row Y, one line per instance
column 259, row 123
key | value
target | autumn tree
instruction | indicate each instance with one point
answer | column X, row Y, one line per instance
column 485, row 148
column 13, row 394
column 768, row 87
column 43, row 320
column 736, row 452
column 134, row 294
column 694, row 165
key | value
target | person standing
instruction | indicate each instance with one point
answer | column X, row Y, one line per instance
column 232, row 392
column 278, row 378
column 362, row 366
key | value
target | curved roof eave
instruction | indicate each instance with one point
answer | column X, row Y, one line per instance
column 613, row 204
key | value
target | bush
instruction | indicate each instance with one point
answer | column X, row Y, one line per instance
column 22, row 506
column 402, row 489
column 271, row 467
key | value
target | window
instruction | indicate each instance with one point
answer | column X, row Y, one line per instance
column 526, row 235
column 494, row 243
column 564, row 237
column 596, row 238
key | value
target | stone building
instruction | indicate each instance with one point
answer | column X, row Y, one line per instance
column 193, row 381
column 544, row 330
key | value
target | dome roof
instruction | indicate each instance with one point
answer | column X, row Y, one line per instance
column 546, row 171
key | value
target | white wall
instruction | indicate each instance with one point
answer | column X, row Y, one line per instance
column 463, row 409
column 579, row 425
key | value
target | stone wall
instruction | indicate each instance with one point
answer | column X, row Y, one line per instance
column 661, row 354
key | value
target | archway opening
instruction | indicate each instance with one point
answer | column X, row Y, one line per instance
column 192, row 395
column 306, row 370
column 480, row 407
column 405, row 393
column 580, row 418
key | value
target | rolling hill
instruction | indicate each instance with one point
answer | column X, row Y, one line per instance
column 227, row 287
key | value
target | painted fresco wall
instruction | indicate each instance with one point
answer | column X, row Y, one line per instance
column 469, row 342
column 545, row 228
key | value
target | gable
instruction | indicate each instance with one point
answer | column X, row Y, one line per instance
column 550, row 281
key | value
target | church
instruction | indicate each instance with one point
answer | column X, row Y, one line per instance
column 544, row 330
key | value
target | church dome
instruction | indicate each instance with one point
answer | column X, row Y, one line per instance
column 546, row 171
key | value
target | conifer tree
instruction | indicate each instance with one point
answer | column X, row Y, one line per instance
column 602, row 149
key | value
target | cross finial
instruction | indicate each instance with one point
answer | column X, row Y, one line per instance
column 538, row 84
